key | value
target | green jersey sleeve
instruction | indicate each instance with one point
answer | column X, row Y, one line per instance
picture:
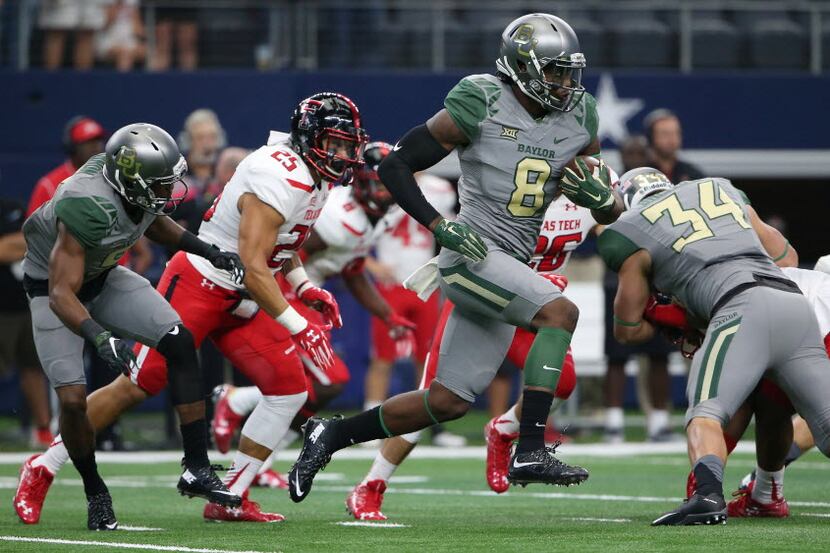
column 615, row 248
column 470, row 102
column 89, row 219
column 591, row 121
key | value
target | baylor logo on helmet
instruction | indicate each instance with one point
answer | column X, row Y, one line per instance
column 524, row 37
column 126, row 161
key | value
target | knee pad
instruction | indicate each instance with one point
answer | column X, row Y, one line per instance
column 270, row 419
column 178, row 348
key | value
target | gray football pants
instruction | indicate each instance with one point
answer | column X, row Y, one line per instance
column 491, row 299
column 127, row 305
column 763, row 332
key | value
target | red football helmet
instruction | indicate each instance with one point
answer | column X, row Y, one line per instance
column 367, row 189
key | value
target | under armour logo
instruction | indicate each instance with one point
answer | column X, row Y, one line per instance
column 208, row 284
column 23, row 507
column 570, row 207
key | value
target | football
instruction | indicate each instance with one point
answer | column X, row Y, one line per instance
column 590, row 161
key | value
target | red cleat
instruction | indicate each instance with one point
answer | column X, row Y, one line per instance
column 31, row 491
column 249, row 511
column 745, row 506
column 225, row 421
column 271, row 479
column 365, row 500
column 498, row 456
column 691, row 484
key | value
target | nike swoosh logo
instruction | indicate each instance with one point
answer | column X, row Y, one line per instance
column 297, row 489
column 112, row 526
column 519, row 465
column 558, row 140
column 594, row 196
column 545, row 367
column 175, row 331
column 538, row 425
column 396, row 147
column 710, row 500
column 223, row 492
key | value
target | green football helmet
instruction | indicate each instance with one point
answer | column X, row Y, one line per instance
column 540, row 53
column 143, row 165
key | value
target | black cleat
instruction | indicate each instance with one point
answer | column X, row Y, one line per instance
column 540, row 466
column 100, row 515
column 314, row 456
column 698, row 509
column 203, row 482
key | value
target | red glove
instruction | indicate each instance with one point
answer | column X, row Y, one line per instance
column 671, row 315
column 321, row 300
column 560, row 281
column 314, row 340
column 401, row 330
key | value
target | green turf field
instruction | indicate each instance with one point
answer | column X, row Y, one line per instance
column 442, row 505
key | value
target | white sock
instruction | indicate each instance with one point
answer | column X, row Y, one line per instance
column 769, row 486
column 658, row 419
column 53, row 458
column 368, row 405
column 381, row 469
column 508, row 423
column 243, row 400
column 614, row 418
column 242, row 473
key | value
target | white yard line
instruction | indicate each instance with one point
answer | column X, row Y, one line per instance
column 593, row 519
column 820, row 515
column 139, row 528
column 369, row 524
column 118, row 545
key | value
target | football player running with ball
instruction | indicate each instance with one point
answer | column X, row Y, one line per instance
column 77, row 292
column 514, row 133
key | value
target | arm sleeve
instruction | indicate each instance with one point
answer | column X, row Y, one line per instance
column 89, row 218
column 615, row 248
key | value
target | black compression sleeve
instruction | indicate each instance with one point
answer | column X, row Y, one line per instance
column 416, row 151
column 190, row 243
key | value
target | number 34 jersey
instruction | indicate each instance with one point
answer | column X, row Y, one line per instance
column 279, row 178
column 700, row 241
column 511, row 167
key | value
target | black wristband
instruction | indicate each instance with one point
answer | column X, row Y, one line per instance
column 190, row 243
column 416, row 151
column 90, row 330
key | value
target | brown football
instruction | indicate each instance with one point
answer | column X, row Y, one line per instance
column 590, row 161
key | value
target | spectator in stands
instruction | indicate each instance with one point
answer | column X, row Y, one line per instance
column 17, row 347
column 226, row 164
column 635, row 153
column 59, row 19
column 179, row 24
column 201, row 140
column 665, row 138
column 83, row 137
column 121, row 41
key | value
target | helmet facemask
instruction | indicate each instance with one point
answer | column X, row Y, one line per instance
column 335, row 152
column 542, row 81
column 153, row 194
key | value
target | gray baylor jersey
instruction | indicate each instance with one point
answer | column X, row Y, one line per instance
column 93, row 213
column 511, row 167
column 700, row 242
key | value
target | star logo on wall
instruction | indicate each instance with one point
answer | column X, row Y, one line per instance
column 614, row 112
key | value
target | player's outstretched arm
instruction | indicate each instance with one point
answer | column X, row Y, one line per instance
column 776, row 246
column 632, row 297
column 168, row 232
column 421, row 148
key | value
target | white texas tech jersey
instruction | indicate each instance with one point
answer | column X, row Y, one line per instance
column 565, row 227
column 408, row 244
column 278, row 177
column 348, row 233
column 815, row 285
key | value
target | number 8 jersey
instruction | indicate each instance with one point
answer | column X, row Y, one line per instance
column 279, row 178
column 511, row 167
